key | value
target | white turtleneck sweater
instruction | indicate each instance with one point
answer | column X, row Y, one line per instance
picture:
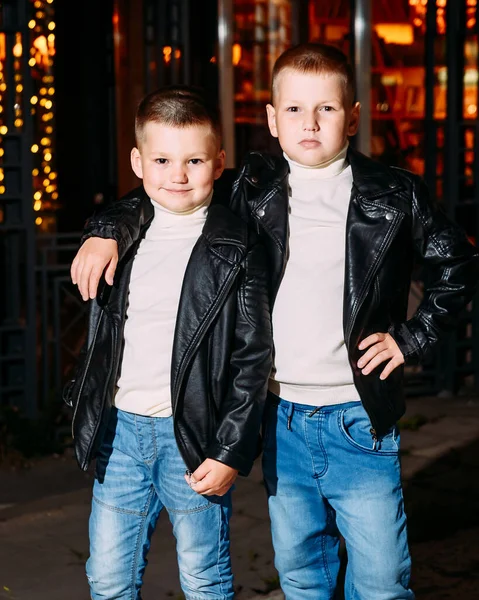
column 311, row 361
column 155, row 286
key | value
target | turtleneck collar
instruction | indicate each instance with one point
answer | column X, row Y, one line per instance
column 165, row 219
column 326, row 170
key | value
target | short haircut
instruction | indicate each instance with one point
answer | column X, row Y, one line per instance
column 177, row 106
column 315, row 58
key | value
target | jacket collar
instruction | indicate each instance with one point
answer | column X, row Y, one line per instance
column 224, row 228
column 264, row 170
column 371, row 178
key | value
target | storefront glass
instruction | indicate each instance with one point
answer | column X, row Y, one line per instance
column 263, row 29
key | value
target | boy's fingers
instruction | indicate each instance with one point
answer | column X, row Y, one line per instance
column 389, row 368
column 201, row 472
column 73, row 271
column 200, row 488
column 110, row 272
column 79, row 272
column 83, row 282
column 376, row 361
column 212, row 488
column 215, row 491
column 370, row 354
column 206, row 484
column 93, row 281
column 371, row 339
column 75, row 274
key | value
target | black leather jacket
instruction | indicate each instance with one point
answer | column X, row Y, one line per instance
column 222, row 352
column 391, row 222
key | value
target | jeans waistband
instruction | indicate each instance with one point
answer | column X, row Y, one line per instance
column 308, row 408
column 133, row 417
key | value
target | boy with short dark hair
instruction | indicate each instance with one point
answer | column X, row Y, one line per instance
column 343, row 232
column 169, row 395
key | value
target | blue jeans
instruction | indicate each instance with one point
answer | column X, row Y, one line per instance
column 139, row 471
column 325, row 476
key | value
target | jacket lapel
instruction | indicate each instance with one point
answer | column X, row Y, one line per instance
column 373, row 219
column 271, row 211
column 211, row 273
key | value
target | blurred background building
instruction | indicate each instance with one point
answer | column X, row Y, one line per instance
column 72, row 73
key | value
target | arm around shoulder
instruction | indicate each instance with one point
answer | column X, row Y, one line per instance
column 121, row 221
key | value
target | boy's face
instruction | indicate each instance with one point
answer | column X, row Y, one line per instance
column 178, row 165
column 311, row 117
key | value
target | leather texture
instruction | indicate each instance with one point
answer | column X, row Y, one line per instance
column 391, row 226
column 222, row 352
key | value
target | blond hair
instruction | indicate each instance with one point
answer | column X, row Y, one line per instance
column 315, row 58
column 177, row 106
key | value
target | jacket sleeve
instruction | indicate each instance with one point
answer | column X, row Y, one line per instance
column 122, row 221
column 451, row 265
column 239, row 423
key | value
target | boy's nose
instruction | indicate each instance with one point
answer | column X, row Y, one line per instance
column 179, row 175
column 310, row 125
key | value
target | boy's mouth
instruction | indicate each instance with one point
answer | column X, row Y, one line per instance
column 177, row 191
column 309, row 143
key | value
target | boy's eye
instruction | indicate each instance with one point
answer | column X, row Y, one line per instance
column 293, row 109
column 161, row 161
column 326, row 108
column 195, row 161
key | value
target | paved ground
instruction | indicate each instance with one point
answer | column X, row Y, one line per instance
column 44, row 511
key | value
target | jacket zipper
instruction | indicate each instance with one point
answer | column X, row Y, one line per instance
column 368, row 279
column 87, row 366
column 200, row 333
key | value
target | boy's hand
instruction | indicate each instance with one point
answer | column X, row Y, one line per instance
column 90, row 262
column 212, row 478
column 382, row 347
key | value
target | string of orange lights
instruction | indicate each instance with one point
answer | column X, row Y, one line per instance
column 41, row 49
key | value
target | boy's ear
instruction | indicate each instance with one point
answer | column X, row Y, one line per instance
column 135, row 159
column 354, row 119
column 220, row 164
column 271, row 113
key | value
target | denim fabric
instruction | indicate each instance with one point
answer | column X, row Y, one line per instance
column 139, row 471
column 326, row 475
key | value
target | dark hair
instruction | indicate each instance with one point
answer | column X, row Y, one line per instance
column 315, row 58
column 177, row 106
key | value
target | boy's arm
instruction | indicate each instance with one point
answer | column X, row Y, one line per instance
column 106, row 238
column 452, row 265
column 121, row 221
column 241, row 411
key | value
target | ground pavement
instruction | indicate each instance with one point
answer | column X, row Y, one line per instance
column 44, row 511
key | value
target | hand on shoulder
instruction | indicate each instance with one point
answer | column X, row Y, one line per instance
column 94, row 256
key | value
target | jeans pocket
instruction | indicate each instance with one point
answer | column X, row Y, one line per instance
column 356, row 428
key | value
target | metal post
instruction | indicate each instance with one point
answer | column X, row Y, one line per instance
column 226, row 81
column 453, row 165
column 299, row 22
column 362, row 30
column 430, row 131
column 185, row 25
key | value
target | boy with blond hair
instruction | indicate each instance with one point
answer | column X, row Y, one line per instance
column 169, row 395
column 343, row 232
